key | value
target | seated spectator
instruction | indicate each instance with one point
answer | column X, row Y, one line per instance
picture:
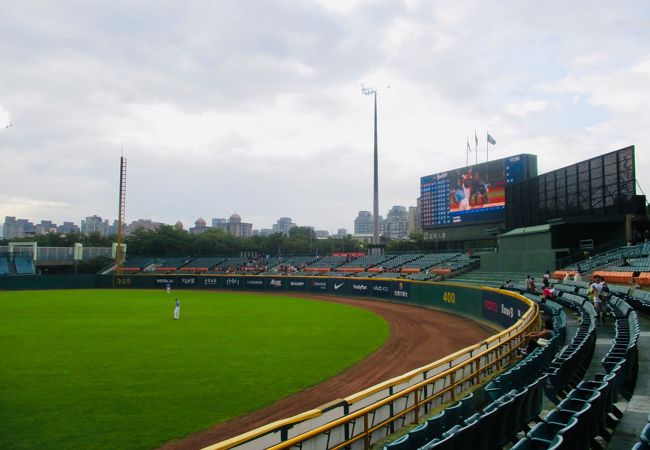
column 547, row 333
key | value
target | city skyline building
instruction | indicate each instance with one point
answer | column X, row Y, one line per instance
column 283, row 225
column 396, row 223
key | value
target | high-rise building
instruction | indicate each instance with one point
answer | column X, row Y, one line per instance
column 218, row 221
column 322, row 234
column 67, row 228
column 283, row 225
column 236, row 227
column 199, row 226
column 396, row 223
column 342, row 232
column 17, row 228
column 46, row 226
column 414, row 219
column 95, row 224
column 142, row 224
column 363, row 223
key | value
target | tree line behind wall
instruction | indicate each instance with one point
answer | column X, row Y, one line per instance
column 169, row 241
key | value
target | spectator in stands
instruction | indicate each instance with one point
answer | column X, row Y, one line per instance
column 625, row 262
column 528, row 284
column 533, row 288
column 546, row 334
column 577, row 276
column 597, row 288
column 566, row 278
column 546, row 281
column 177, row 310
column 548, row 293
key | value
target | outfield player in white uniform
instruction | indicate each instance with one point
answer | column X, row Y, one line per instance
column 169, row 288
column 177, row 310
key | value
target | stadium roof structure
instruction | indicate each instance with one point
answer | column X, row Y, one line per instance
column 527, row 230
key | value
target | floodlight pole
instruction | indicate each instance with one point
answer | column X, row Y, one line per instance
column 376, row 249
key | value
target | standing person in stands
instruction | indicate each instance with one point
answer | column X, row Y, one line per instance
column 533, row 288
column 177, row 310
column 546, row 281
column 528, row 284
column 597, row 289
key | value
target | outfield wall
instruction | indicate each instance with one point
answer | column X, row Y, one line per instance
column 469, row 301
column 491, row 306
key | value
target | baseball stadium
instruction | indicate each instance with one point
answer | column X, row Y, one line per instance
column 521, row 325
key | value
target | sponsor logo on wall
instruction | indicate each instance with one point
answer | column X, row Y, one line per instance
column 232, row 282
column 165, row 280
column 318, row 285
column 187, row 281
column 274, row 283
column 400, row 290
column 211, row 281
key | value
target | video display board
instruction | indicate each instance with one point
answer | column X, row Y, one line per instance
column 473, row 194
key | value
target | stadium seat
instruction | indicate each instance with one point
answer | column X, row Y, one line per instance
column 400, row 444
column 419, row 435
column 530, row 444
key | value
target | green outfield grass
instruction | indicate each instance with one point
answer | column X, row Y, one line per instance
column 110, row 369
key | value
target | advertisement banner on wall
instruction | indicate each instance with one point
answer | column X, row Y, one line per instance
column 164, row 281
column 381, row 289
column 253, row 283
column 318, row 285
column 275, row 283
column 360, row 287
column 233, row 283
column 502, row 309
column 399, row 289
column 211, row 282
column 297, row 284
column 188, row 282
column 338, row 286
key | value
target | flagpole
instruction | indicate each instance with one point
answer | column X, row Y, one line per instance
column 467, row 154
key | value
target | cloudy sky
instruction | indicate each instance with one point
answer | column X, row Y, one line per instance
column 255, row 107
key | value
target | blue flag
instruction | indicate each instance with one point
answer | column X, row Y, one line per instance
column 491, row 140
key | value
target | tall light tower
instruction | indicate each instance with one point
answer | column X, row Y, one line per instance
column 376, row 246
column 119, row 253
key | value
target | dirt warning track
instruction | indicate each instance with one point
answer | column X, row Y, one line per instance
column 418, row 336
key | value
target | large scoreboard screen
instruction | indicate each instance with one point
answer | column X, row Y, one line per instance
column 473, row 194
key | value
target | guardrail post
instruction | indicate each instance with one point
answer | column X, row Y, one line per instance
column 391, row 411
column 417, row 406
column 452, row 379
column 366, row 438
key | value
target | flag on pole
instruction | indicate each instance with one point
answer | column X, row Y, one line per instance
column 490, row 139
column 475, row 140
column 469, row 149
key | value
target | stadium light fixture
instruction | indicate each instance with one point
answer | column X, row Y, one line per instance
column 376, row 249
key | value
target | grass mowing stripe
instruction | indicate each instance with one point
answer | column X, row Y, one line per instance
column 111, row 369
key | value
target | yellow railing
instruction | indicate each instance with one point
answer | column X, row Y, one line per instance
column 372, row 414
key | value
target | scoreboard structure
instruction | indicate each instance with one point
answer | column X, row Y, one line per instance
column 472, row 195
